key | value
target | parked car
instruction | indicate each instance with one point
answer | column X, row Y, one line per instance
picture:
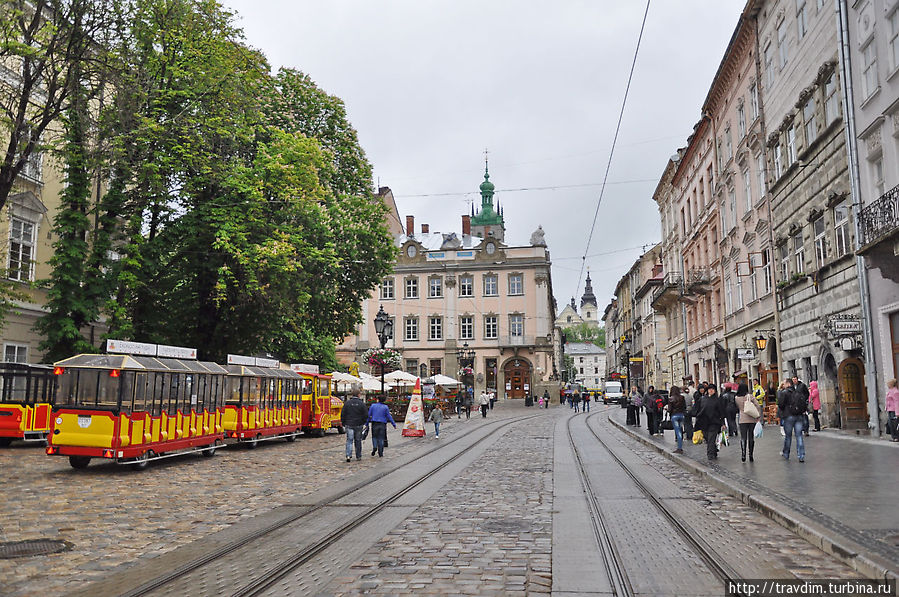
column 613, row 393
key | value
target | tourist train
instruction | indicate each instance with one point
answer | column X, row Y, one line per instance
column 141, row 402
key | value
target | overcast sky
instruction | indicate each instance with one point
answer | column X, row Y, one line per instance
column 430, row 84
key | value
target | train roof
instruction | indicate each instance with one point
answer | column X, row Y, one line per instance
column 127, row 362
column 261, row 371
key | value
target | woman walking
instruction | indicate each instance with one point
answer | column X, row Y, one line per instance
column 815, row 402
column 892, row 406
column 677, row 406
column 747, row 421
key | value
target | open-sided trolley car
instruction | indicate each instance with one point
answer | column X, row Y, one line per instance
column 262, row 403
column 26, row 401
column 132, row 409
column 318, row 410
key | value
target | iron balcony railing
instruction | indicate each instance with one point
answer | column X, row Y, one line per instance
column 880, row 218
column 671, row 282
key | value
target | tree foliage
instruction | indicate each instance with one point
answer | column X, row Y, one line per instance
column 239, row 215
column 585, row 332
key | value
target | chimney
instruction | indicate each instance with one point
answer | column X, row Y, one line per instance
column 410, row 225
column 466, row 225
column 425, row 228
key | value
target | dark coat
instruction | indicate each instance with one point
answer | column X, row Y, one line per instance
column 354, row 413
column 711, row 412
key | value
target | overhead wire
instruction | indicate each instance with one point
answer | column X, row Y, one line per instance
column 612, row 151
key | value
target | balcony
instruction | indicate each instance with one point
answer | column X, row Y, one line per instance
column 513, row 341
column 699, row 280
column 668, row 291
column 879, row 219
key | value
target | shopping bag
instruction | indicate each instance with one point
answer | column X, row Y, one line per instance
column 722, row 438
column 365, row 432
column 698, row 437
column 750, row 409
column 666, row 423
column 757, row 432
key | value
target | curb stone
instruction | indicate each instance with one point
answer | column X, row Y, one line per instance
column 847, row 551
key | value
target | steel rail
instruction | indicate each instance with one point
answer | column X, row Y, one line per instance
column 256, row 587
column 612, row 561
column 715, row 564
column 244, row 540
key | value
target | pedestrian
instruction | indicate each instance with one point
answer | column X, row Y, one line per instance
column 793, row 404
column 677, row 407
column 491, row 395
column 545, row 402
column 688, row 412
column 652, row 413
column 577, row 401
column 892, row 407
column 728, row 398
column 353, row 417
column 378, row 417
column 484, row 403
column 587, row 402
column 712, row 415
column 758, row 392
column 459, row 400
column 436, row 418
column 469, row 399
column 785, row 386
column 803, row 392
column 631, row 417
column 747, row 422
column 815, row 402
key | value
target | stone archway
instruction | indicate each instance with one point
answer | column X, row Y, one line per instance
column 517, row 378
column 853, row 395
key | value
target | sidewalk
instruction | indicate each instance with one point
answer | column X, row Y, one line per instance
column 843, row 498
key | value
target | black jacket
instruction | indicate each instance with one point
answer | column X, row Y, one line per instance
column 354, row 413
column 712, row 411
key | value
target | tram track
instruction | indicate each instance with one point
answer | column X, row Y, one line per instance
column 621, row 584
column 273, row 575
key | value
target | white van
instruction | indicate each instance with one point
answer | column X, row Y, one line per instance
column 613, row 393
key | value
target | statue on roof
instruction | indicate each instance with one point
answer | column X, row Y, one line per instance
column 537, row 238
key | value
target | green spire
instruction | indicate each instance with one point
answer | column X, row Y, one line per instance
column 487, row 216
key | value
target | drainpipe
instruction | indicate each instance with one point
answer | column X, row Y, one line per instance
column 683, row 314
column 874, row 423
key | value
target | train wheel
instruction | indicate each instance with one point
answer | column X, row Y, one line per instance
column 5, row 442
column 209, row 452
column 292, row 437
column 341, row 430
column 79, row 461
column 141, row 462
column 252, row 443
column 319, row 433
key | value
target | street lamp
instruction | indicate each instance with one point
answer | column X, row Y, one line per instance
column 466, row 359
column 384, row 330
column 626, row 346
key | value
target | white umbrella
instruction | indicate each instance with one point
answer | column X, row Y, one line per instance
column 400, row 377
column 341, row 377
column 444, row 380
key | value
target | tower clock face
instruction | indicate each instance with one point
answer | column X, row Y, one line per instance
column 411, row 251
column 491, row 248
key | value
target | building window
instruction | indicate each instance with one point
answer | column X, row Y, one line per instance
column 15, row 353
column 877, row 176
column 778, row 163
column 831, row 100
column 799, row 252
column 869, row 70
column 801, row 19
column 466, row 327
column 723, row 215
column 21, row 250
column 747, row 184
column 754, row 101
column 516, row 326
column 436, row 366
column 491, row 329
column 811, row 128
column 791, row 145
column 841, row 228
column 783, row 45
column 769, row 65
column 753, row 285
column 732, row 197
column 516, row 284
column 741, row 120
column 466, row 286
column 728, row 143
column 820, row 232
column 411, row 328
column 435, row 328
column 569, row 319
column 411, row 288
column 728, row 295
column 738, row 290
column 490, row 285
column 387, row 288
column 435, row 287
column 784, row 262
column 412, row 367
column 760, row 164
column 894, row 40
column 766, row 271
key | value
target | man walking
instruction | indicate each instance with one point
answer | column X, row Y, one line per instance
column 436, row 418
column 354, row 416
column 378, row 416
column 484, row 403
column 793, row 405
column 802, row 389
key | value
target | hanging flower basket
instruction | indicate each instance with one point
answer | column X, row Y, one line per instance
column 466, row 371
column 382, row 357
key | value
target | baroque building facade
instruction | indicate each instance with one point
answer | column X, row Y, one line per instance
column 469, row 289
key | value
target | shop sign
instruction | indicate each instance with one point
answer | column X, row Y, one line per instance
column 846, row 326
column 745, row 354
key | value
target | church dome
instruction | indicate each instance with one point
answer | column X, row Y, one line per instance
column 487, row 186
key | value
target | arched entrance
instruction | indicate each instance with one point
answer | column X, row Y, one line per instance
column 517, row 377
column 853, row 396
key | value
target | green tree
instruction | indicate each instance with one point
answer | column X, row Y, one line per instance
column 584, row 332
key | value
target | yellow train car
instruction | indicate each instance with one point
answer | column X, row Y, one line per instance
column 26, row 402
column 262, row 403
column 318, row 409
column 132, row 409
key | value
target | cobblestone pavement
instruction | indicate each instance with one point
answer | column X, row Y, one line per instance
column 113, row 515
column 488, row 532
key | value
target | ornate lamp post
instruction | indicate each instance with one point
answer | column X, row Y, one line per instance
column 384, row 330
column 626, row 346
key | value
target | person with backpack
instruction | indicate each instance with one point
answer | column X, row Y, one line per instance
column 803, row 390
column 747, row 420
column 677, row 406
column 728, row 398
column 792, row 405
column 586, row 402
column 711, row 413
